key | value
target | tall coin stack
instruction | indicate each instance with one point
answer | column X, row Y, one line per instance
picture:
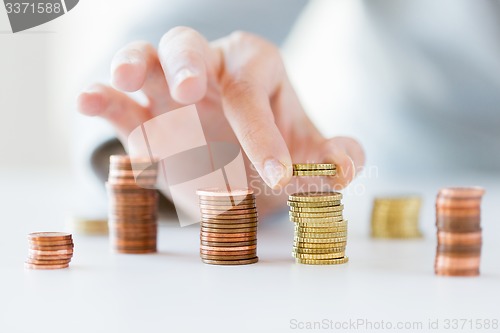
column 458, row 220
column 228, row 234
column 320, row 230
column 133, row 205
column 49, row 250
column 396, row 217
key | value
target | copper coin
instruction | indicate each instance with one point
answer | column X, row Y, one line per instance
column 445, row 261
column 220, row 192
column 50, row 252
column 226, row 221
column 476, row 248
column 453, row 253
column 229, row 216
column 229, row 212
column 443, row 202
column 467, row 224
column 51, row 257
column 228, row 231
column 468, row 238
column 239, row 257
column 49, row 236
column 227, row 239
column 229, row 226
column 457, row 272
column 47, row 262
column 230, row 249
column 221, row 253
column 231, row 262
column 228, row 202
column 456, row 212
column 462, row 192
column 51, row 247
column 228, row 244
column 135, row 251
column 48, row 243
column 54, row 266
column 228, row 235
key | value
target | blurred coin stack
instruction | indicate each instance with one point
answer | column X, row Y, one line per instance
column 314, row 169
column 320, row 230
column 396, row 217
column 228, row 234
column 49, row 250
column 458, row 220
column 133, row 204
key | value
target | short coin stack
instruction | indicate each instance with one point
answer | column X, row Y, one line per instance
column 458, row 220
column 314, row 169
column 228, row 233
column 320, row 230
column 49, row 250
column 396, row 217
column 133, row 206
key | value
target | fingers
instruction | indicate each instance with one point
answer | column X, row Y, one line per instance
column 347, row 154
column 120, row 110
column 137, row 67
column 186, row 59
column 253, row 76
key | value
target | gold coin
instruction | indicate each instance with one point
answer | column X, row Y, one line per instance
column 321, row 235
column 319, row 256
column 320, row 230
column 314, row 166
column 327, row 209
column 304, row 245
column 315, row 215
column 342, row 223
column 322, row 262
column 319, row 240
column 317, row 204
column 316, row 219
column 318, row 251
column 312, row 173
column 315, row 196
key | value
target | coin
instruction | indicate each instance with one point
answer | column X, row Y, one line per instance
column 229, row 249
column 222, row 253
column 227, row 202
column 225, row 257
column 227, row 239
column 323, row 261
column 34, row 261
column 311, row 173
column 315, row 196
column 315, row 204
column 306, row 245
column 333, row 255
column 219, row 208
column 320, row 230
column 306, row 220
column 228, row 244
column 314, row 166
column 318, row 251
column 228, row 216
column 228, row 235
column 319, row 240
column 229, row 226
column 327, row 209
column 231, row 262
column 320, row 235
column 49, row 236
column 342, row 223
column 315, row 215
column 233, row 222
column 229, row 231
column 51, row 266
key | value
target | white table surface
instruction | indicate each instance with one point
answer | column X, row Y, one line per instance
column 173, row 291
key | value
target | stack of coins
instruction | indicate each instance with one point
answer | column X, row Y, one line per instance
column 49, row 250
column 458, row 220
column 228, row 227
column 133, row 205
column 88, row 226
column 396, row 217
column 320, row 230
column 314, row 169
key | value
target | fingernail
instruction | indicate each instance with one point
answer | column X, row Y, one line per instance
column 274, row 172
column 183, row 74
